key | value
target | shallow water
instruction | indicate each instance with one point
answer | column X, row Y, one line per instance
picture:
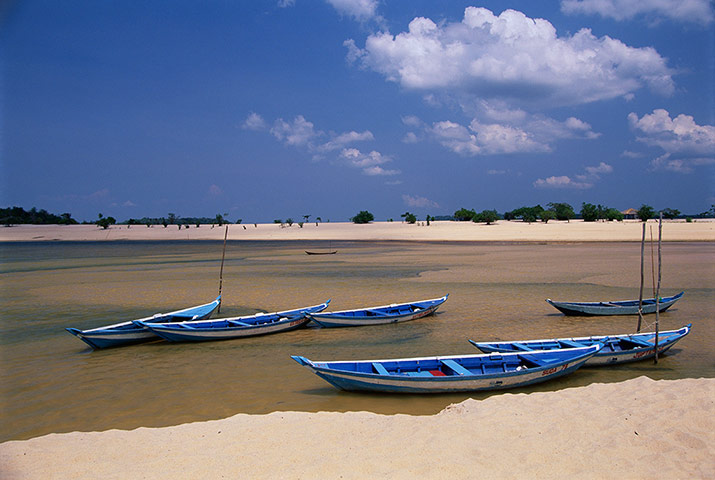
column 51, row 382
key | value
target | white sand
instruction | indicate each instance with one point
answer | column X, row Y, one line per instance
column 635, row 429
column 573, row 231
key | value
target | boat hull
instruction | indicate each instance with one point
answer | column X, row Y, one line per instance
column 627, row 307
column 235, row 327
column 617, row 348
column 108, row 339
column 178, row 335
column 355, row 318
column 129, row 333
column 425, row 381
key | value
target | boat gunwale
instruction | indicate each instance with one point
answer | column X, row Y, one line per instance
column 316, row 364
column 432, row 302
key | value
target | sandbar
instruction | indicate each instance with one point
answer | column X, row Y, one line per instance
column 699, row 230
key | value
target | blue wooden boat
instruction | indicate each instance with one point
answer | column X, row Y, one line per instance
column 394, row 313
column 128, row 332
column 456, row 373
column 617, row 348
column 619, row 307
column 235, row 327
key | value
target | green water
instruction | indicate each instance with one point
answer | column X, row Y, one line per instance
column 51, row 382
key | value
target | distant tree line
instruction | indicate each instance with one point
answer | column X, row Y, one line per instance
column 173, row 219
column 559, row 211
column 19, row 216
column 563, row 211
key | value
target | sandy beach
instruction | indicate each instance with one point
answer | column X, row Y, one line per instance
column 635, row 429
column 502, row 231
column 638, row 428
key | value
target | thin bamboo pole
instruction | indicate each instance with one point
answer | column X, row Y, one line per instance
column 640, row 297
column 220, row 275
column 657, row 291
column 652, row 260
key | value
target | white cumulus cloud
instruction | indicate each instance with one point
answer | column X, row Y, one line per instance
column 578, row 182
column 416, row 201
column 370, row 163
column 674, row 135
column 694, row 11
column 360, row 10
column 561, row 182
column 343, row 139
column 299, row 132
column 254, row 122
column 600, row 169
column 517, row 132
column 512, row 57
column 686, row 144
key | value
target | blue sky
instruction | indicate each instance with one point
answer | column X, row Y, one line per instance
column 282, row 108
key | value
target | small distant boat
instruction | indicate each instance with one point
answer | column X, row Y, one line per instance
column 397, row 312
column 125, row 333
column 328, row 252
column 235, row 327
column 617, row 348
column 457, row 373
column 620, row 307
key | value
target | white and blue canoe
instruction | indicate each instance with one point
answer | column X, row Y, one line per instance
column 617, row 348
column 396, row 312
column 456, row 373
column 234, row 327
column 128, row 332
column 615, row 307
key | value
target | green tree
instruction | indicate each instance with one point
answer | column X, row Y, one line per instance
column 289, row 221
column 464, row 215
column 66, row 219
column 562, row 211
column 671, row 213
column 547, row 215
column 363, row 217
column 486, row 216
column 410, row 218
column 527, row 214
column 589, row 212
column 105, row 222
column 614, row 214
column 645, row 212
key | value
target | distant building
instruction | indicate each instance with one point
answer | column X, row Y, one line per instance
column 630, row 214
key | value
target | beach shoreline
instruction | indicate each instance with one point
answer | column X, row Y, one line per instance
column 700, row 230
column 640, row 428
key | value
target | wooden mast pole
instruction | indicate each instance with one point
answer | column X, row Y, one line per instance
column 640, row 297
column 220, row 275
column 652, row 260
column 657, row 291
